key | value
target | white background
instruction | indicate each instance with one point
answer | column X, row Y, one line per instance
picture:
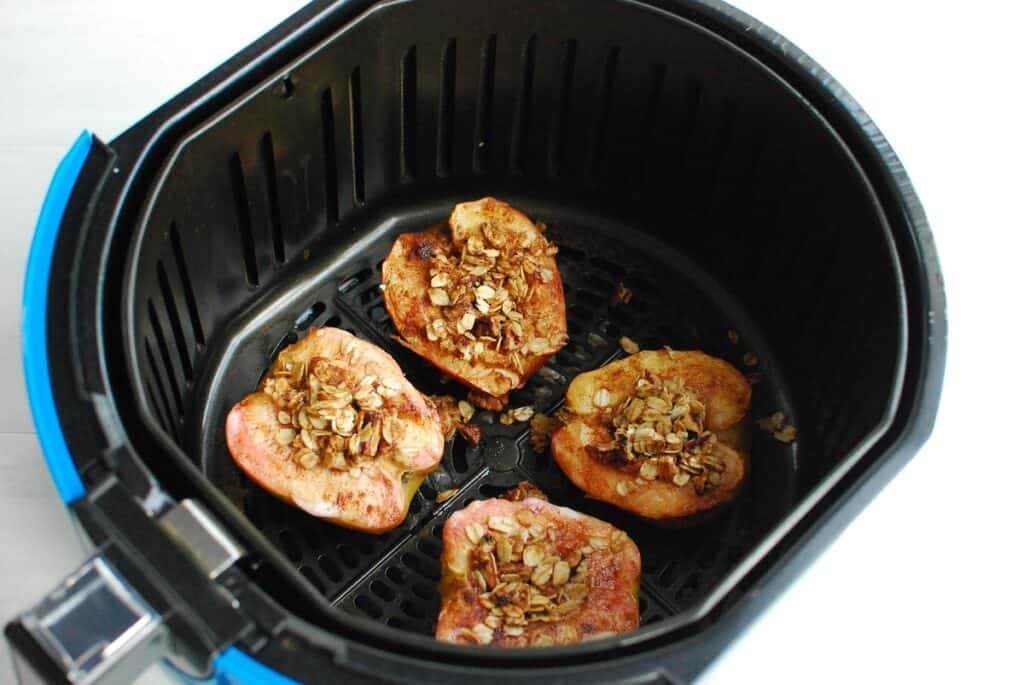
column 926, row 584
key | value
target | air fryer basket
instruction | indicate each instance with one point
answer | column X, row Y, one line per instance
column 658, row 156
column 726, row 186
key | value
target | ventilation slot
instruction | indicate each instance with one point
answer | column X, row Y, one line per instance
column 383, row 590
column 446, row 110
column 561, row 114
column 723, row 137
column 369, row 607
column 604, row 104
column 165, row 355
column 422, row 590
column 460, row 462
column 273, row 199
column 330, row 156
column 694, row 94
column 186, row 287
column 161, row 416
column 485, row 107
column 407, row 80
column 650, row 119
column 521, row 125
column 355, row 118
column 413, row 610
column 425, row 567
column 172, row 317
column 244, row 221
column 166, row 405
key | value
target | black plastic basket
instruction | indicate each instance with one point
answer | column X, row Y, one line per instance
column 677, row 147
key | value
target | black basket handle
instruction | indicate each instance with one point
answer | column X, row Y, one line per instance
column 97, row 626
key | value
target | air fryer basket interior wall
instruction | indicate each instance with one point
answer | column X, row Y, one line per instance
column 659, row 154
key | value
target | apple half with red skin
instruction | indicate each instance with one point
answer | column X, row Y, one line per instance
column 659, row 434
column 529, row 573
column 479, row 297
column 338, row 431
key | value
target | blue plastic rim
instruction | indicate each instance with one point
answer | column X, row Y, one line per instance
column 232, row 666
column 33, row 318
column 235, row 667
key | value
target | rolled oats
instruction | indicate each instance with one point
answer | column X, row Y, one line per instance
column 628, row 345
column 480, row 289
column 445, row 495
column 623, row 295
column 541, row 429
column 657, row 432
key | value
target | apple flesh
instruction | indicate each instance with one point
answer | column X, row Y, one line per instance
column 601, row 589
column 370, row 493
column 725, row 394
column 407, row 283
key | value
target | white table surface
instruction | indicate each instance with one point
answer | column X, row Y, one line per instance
column 925, row 584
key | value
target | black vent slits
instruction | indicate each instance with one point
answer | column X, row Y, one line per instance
column 165, row 404
column 650, row 120
column 158, row 409
column 595, row 153
column 355, row 118
column 485, row 106
column 165, row 356
column 722, row 141
column 172, row 317
column 560, row 123
column 446, row 110
column 407, row 85
column 186, row 287
column 521, row 124
column 273, row 199
column 244, row 221
column 693, row 97
column 330, row 156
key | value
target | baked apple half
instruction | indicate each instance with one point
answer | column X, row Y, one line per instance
column 479, row 297
column 338, row 431
column 656, row 433
column 529, row 573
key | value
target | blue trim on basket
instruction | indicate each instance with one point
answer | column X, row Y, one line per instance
column 33, row 334
column 235, row 667
column 232, row 666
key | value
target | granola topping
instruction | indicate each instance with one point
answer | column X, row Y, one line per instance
column 628, row 345
column 329, row 419
column 481, row 289
column 542, row 427
column 524, row 576
column 516, row 415
column 658, row 433
column 455, row 416
column 778, row 426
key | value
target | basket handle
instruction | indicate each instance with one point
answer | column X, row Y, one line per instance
column 107, row 621
column 92, row 627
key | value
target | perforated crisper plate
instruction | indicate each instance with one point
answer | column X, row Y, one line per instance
column 393, row 577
